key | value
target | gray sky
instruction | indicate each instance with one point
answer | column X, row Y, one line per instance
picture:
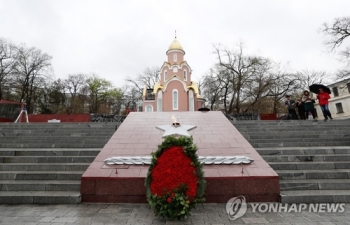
column 120, row 38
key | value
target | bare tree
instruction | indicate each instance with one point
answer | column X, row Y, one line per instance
column 283, row 83
column 309, row 77
column 242, row 83
column 147, row 79
column 30, row 65
column 237, row 70
column 213, row 88
column 337, row 33
column 75, row 84
column 51, row 98
column 6, row 64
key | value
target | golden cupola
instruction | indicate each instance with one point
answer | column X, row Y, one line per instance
column 175, row 45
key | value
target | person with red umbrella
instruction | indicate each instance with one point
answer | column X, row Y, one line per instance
column 323, row 97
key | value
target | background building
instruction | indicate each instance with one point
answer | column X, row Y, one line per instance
column 339, row 103
column 175, row 91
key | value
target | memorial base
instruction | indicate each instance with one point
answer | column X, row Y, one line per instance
column 214, row 136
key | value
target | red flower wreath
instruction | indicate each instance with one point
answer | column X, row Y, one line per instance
column 175, row 179
column 173, row 168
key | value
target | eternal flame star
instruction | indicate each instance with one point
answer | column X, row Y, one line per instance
column 181, row 130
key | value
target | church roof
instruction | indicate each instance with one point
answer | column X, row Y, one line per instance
column 175, row 45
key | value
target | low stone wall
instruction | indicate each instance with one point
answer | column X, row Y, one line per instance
column 44, row 118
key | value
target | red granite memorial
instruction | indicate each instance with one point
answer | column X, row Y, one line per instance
column 214, row 135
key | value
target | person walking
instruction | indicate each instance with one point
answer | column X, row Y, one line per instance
column 308, row 101
column 301, row 109
column 290, row 104
column 323, row 101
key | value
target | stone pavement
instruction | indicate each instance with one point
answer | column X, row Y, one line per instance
column 96, row 214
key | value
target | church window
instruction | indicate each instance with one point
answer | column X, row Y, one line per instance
column 149, row 108
column 165, row 75
column 185, row 75
column 175, row 99
column 175, row 57
column 191, row 100
column 175, row 69
column 159, row 101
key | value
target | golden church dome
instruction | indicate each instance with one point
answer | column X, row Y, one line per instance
column 175, row 45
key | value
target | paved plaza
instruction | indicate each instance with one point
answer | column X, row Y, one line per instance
column 142, row 214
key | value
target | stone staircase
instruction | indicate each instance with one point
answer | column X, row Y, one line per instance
column 42, row 163
column 311, row 158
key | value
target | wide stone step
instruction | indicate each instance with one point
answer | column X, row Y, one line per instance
column 49, row 152
column 66, row 134
column 297, row 140
column 40, row 185
column 46, row 137
column 294, row 130
column 307, row 158
column 40, row 197
column 41, row 175
column 57, row 125
column 309, row 127
column 44, row 166
column 61, row 144
column 309, row 165
column 47, row 159
column 313, row 174
column 288, row 122
column 304, row 151
column 48, row 131
column 49, row 139
column 287, row 136
column 315, row 184
column 60, row 133
column 315, row 196
column 315, row 128
column 307, row 124
column 301, row 144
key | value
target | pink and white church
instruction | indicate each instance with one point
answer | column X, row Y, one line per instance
column 175, row 91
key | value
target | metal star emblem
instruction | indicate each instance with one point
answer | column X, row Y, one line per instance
column 181, row 130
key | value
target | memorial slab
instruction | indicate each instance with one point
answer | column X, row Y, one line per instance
column 214, row 135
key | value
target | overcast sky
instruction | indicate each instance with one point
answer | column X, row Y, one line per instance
column 120, row 38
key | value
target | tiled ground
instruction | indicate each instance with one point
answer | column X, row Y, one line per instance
column 137, row 214
column 214, row 136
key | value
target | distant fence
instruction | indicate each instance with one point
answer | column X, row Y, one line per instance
column 103, row 118
column 107, row 118
column 9, row 110
column 243, row 116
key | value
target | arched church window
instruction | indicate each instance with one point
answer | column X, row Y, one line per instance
column 149, row 108
column 175, row 57
column 191, row 100
column 159, row 101
column 185, row 75
column 165, row 75
column 175, row 99
column 175, row 69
